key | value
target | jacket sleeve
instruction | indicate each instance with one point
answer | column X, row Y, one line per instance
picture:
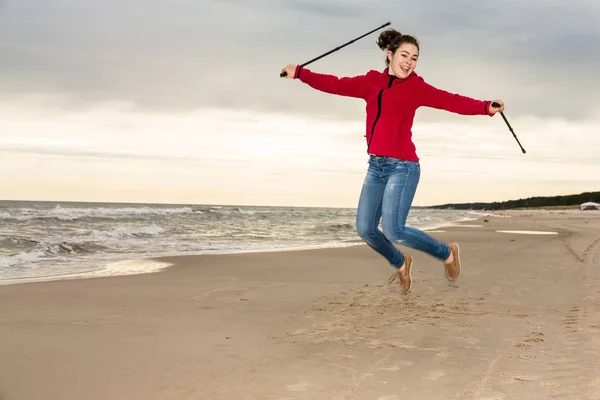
column 430, row 96
column 348, row 86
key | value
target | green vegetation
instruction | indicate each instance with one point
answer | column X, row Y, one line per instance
column 556, row 202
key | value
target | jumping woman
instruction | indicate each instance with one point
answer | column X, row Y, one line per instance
column 392, row 97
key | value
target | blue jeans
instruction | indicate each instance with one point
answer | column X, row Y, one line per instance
column 387, row 194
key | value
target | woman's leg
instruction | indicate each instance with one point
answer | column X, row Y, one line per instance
column 397, row 199
column 368, row 215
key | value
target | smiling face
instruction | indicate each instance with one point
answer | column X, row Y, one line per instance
column 404, row 60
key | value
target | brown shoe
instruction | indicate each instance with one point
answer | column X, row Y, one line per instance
column 452, row 270
column 404, row 276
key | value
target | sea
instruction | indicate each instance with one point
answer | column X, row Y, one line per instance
column 63, row 240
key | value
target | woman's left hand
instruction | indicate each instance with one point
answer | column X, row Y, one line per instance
column 494, row 110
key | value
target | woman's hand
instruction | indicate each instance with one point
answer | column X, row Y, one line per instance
column 494, row 110
column 290, row 70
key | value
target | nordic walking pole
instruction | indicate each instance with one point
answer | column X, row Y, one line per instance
column 282, row 74
column 494, row 104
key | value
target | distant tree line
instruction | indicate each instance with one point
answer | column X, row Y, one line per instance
column 549, row 201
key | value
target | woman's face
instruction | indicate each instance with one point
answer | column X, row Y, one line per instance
column 404, row 60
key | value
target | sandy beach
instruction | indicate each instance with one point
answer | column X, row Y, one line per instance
column 522, row 322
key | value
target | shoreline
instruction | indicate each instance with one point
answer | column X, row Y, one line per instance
column 150, row 265
column 156, row 264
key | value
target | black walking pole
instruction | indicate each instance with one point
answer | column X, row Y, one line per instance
column 494, row 104
column 282, row 74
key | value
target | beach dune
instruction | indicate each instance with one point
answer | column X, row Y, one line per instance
column 522, row 322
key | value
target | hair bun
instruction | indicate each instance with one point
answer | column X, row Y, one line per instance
column 387, row 37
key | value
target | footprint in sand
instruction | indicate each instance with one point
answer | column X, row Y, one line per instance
column 297, row 387
column 472, row 341
column 398, row 367
column 435, row 375
column 552, row 385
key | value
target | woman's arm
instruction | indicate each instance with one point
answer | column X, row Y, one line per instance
column 346, row 86
column 430, row 96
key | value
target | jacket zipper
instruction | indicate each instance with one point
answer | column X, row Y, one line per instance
column 379, row 97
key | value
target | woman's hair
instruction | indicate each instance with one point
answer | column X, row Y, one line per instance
column 391, row 39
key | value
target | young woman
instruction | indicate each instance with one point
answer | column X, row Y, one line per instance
column 392, row 98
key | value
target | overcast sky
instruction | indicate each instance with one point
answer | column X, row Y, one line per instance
column 181, row 101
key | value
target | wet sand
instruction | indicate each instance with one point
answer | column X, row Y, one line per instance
column 522, row 322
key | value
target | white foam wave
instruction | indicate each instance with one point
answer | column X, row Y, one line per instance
column 131, row 267
column 122, row 232
column 120, row 268
column 85, row 244
column 21, row 258
column 245, row 212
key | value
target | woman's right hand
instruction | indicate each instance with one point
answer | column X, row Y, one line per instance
column 290, row 70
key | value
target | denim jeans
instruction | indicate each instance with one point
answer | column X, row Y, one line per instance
column 387, row 194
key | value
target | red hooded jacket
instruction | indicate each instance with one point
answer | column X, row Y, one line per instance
column 391, row 106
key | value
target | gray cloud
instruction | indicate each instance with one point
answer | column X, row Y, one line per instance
column 539, row 56
column 328, row 10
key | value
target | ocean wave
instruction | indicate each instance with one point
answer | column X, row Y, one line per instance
column 47, row 251
column 123, row 232
column 86, row 243
column 16, row 242
column 74, row 213
column 28, row 257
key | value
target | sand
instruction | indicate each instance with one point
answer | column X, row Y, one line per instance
column 522, row 322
